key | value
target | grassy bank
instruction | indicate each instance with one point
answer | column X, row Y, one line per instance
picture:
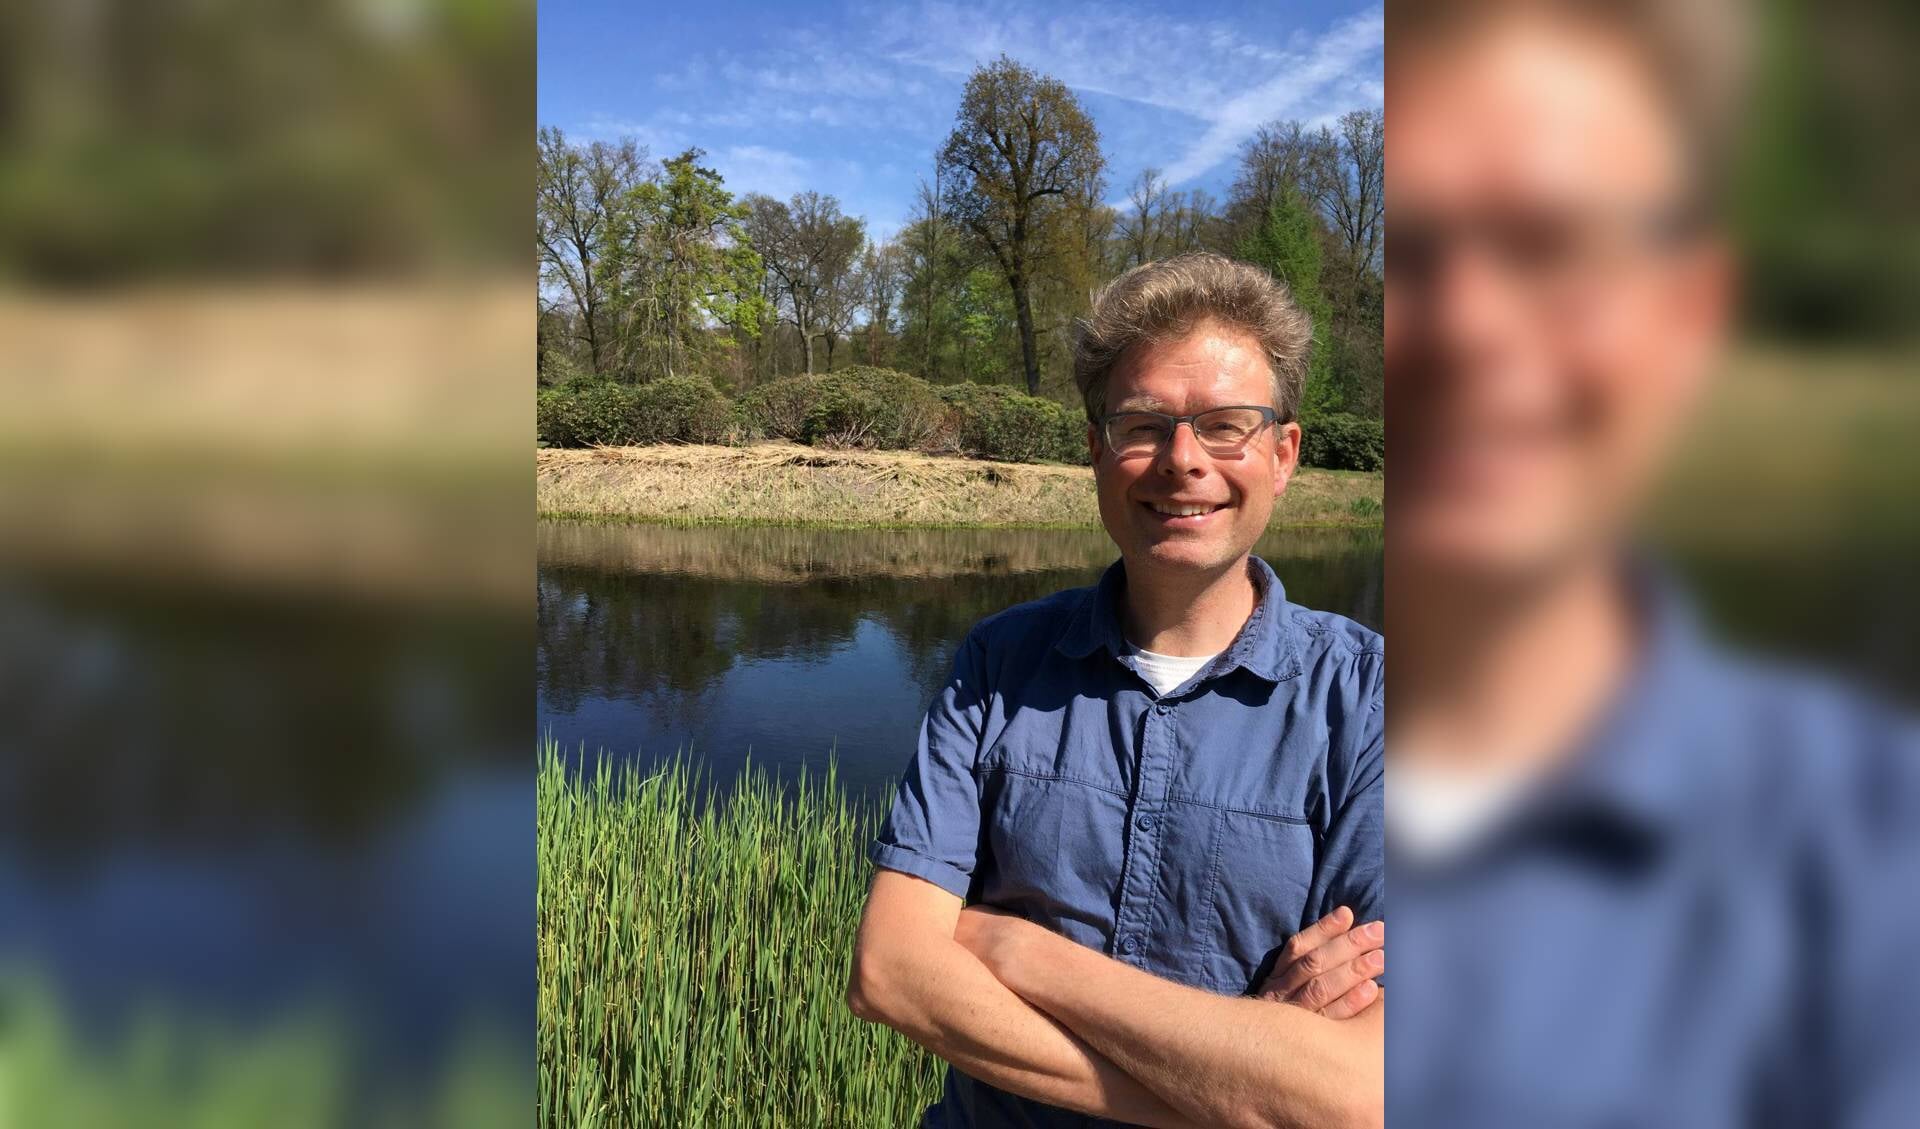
column 693, row 957
column 782, row 483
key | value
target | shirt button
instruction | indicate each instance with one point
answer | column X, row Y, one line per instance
column 1130, row 945
column 1145, row 823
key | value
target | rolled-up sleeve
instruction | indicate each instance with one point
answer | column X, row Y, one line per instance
column 933, row 830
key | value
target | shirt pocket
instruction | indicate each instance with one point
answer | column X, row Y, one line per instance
column 1260, row 876
column 1053, row 853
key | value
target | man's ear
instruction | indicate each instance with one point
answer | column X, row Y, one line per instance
column 1093, row 441
column 1286, row 455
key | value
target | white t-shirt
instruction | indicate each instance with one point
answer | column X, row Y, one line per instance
column 1433, row 813
column 1166, row 673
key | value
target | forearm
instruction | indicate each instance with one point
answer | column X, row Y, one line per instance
column 954, row 1006
column 942, row 997
column 1218, row 1059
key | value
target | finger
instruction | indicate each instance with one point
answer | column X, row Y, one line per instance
column 1315, row 935
column 1329, row 956
column 1357, row 1000
column 1328, row 987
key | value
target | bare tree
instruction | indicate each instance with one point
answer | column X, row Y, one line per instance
column 577, row 194
column 1141, row 228
column 1351, row 185
column 808, row 247
column 882, row 274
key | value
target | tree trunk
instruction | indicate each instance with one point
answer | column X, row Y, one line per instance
column 829, row 350
column 806, row 343
column 1023, row 310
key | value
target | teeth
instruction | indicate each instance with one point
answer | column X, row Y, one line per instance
column 1181, row 511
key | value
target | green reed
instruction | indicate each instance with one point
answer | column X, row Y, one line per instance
column 693, row 953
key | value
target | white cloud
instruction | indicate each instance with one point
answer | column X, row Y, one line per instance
column 1229, row 84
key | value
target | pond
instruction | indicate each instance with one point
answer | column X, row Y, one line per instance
column 791, row 646
column 252, row 809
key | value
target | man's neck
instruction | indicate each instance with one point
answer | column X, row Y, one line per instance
column 1187, row 612
column 1504, row 677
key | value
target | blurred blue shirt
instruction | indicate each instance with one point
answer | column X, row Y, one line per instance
column 1706, row 920
column 1188, row 834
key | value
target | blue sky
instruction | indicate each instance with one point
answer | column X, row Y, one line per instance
column 852, row 99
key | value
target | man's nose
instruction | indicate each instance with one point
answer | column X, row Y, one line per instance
column 1471, row 302
column 1182, row 454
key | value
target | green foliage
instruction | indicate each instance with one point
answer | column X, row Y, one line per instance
column 681, row 409
column 170, row 1063
column 685, row 261
column 593, row 411
column 585, row 413
column 859, row 406
column 693, row 956
column 1342, row 441
column 997, row 422
column 778, row 408
column 1287, row 244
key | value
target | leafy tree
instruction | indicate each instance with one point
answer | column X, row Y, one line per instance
column 1288, row 245
column 687, row 263
column 1021, row 147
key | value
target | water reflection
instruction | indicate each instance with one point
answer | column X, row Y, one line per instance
column 788, row 645
column 255, row 802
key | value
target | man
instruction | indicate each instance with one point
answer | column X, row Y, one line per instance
column 1138, row 790
column 1638, row 881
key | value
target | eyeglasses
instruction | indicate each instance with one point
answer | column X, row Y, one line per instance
column 1220, row 431
column 1554, row 259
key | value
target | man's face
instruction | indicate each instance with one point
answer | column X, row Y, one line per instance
column 1548, row 316
column 1146, row 500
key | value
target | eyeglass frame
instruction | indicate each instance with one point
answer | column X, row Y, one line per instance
column 1268, row 418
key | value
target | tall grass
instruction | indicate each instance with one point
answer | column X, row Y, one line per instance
column 693, row 953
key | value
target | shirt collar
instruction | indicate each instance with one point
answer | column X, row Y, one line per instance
column 1633, row 782
column 1264, row 645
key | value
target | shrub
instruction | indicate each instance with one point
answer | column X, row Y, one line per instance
column 585, row 413
column 680, row 409
column 778, row 408
column 590, row 411
column 857, row 406
column 1340, row 441
column 860, row 406
column 995, row 422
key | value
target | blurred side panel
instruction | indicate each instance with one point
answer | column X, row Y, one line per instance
column 266, row 804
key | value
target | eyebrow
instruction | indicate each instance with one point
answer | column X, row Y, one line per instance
column 1140, row 404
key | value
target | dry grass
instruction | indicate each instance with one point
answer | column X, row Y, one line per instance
column 788, row 484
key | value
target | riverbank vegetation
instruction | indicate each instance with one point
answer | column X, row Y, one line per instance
column 862, row 407
column 783, row 483
column 168, row 1065
column 693, row 953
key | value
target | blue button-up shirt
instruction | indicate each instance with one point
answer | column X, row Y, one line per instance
column 1188, row 834
column 1708, row 920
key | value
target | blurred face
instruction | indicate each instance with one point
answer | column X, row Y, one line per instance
column 1550, row 311
column 1187, row 507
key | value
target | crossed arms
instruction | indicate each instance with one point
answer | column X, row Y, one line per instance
column 1019, row 1007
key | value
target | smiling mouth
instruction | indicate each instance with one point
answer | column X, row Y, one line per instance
column 1173, row 509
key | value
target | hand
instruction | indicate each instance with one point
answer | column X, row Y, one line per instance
column 1329, row 966
column 992, row 935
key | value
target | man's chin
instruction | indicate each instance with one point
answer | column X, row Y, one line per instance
column 1489, row 552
